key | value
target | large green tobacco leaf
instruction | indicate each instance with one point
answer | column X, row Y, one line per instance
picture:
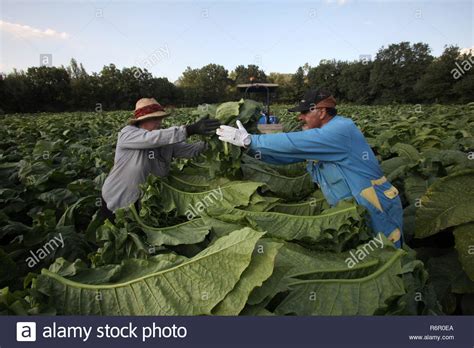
column 259, row 270
column 312, row 207
column 195, row 183
column 249, row 111
column 391, row 165
column 256, row 310
column 118, row 243
column 75, row 244
column 189, row 183
column 295, row 262
column 415, row 187
column 58, row 197
column 306, row 282
column 222, row 159
column 449, row 161
column 193, row 204
column 464, row 236
column 448, row 278
column 68, row 216
column 448, row 202
column 244, row 110
column 190, row 232
column 221, row 228
column 161, row 285
column 13, row 303
column 7, row 170
column 420, row 297
column 291, row 170
column 407, row 151
column 282, row 186
column 8, row 269
column 331, row 229
column 262, row 203
column 225, row 112
column 351, row 296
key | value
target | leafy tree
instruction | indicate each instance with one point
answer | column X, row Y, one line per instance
column 285, row 87
column 109, row 83
column 15, row 92
column 84, row 87
column 76, row 71
column 242, row 74
column 326, row 74
column 400, row 73
column 353, row 81
column 2, row 92
column 464, row 86
column 396, row 70
column 205, row 85
column 48, row 88
column 298, row 82
column 439, row 83
column 160, row 88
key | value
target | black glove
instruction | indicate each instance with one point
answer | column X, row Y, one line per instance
column 204, row 126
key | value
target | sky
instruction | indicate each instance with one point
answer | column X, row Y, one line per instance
column 167, row 36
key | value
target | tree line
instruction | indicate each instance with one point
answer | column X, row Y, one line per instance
column 399, row 73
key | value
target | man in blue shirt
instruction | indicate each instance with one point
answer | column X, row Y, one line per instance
column 338, row 157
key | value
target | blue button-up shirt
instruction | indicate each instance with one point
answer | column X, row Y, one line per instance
column 341, row 162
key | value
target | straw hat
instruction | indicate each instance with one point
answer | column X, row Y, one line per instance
column 147, row 108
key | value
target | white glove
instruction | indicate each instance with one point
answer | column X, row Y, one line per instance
column 236, row 136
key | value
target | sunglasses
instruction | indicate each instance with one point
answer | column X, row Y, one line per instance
column 310, row 110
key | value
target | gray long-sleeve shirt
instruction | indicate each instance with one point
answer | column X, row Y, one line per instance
column 139, row 153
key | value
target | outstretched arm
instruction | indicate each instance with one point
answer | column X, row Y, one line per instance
column 314, row 144
column 185, row 150
column 138, row 138
column 325, row 144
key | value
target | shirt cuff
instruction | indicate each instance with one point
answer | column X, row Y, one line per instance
column 183, row 130
column 253, row 141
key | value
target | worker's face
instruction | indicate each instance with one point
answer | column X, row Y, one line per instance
column 151, row 124
column 313, row 118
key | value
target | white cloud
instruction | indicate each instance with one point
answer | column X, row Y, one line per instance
column 467, row 50
column 29, row 32
column 339, row 2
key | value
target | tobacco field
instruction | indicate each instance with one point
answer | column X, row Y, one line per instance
column 225, row 233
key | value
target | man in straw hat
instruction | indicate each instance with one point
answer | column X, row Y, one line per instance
column 338, row 157
column 143, row 148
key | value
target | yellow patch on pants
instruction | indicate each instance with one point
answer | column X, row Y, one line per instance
column 395, row 235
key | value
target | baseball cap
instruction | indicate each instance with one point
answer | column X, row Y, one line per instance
column 315, row 98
